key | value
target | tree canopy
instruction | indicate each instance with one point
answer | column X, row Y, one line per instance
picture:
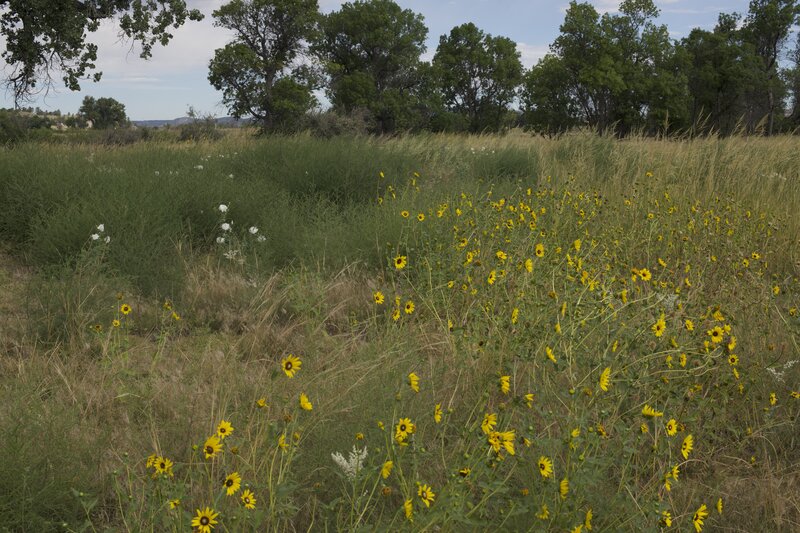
column 103, row 112
column 45, row 38
column 258, row 72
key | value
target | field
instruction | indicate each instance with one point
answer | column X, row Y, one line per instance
column 494, row 333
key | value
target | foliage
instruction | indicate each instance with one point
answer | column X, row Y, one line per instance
column 370, row 51
column 42, row 38
column 259, row 72
column 478, row 74
column 104, row 113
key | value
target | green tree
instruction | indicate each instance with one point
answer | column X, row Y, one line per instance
column 46, row 37
column 370, row 50
column 103, row 112
column 260, row 73
column 478, row 75
column 766, row 27
column 548, row 107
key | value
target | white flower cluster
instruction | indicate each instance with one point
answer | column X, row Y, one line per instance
column 101, row 228
column 227, row 226
column 353, row 464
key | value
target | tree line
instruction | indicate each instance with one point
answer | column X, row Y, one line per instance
column 614, row 73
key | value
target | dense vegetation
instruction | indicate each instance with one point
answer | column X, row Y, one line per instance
column 508, row 333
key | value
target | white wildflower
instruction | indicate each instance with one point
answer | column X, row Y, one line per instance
column 353, row 464
column 261, row 238
column 253, row 230
column 95, row 236
column 101, row 228
column 223, row 208
column 198, row 167
column 220, row 240
column 107, row 239
column 225, row 226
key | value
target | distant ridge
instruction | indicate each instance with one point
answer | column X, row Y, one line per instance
column 228, row 122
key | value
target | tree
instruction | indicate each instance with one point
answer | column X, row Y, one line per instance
column 547, row 107
column 370, row 50
column 45, row 37
column 479, row 74
column 103, row 112
column 766, row 27
column 260, row 72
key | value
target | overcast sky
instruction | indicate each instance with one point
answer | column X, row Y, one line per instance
column 175, row 78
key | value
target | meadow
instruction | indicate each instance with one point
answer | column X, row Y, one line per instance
column 422, row 333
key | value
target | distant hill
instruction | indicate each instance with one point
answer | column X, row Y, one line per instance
column 228, row 122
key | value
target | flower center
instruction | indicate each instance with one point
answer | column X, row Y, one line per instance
column 204, row 521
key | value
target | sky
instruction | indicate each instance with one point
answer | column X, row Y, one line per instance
column 175, row 78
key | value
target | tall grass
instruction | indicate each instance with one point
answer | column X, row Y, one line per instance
column 86, row 402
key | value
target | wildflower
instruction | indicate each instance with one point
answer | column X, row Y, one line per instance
column 716, row 334
column 396, row 315
column 413, row 382
column 163, row 466
column 577, row 245
column 94, row 236
column 659, row 327
column 125, row 309
column 645, row 274
column 698, row 518
column 232, row 483
column 682, row 360
column 354, row 462
column 224, row 429
column 492, row 277
column 666, row 519
column 545, row 467
column 404, row 428
column 225, row 226
column 248, row 499
column 115, row 323
column 212, row 447
column 733, row 359
column 426, row 495
column 501, row 255
column 205, row 520
column 386, row 469
column 378, row 297
column 563, row 488
column 515, row 315
column 529, row 400
column 577, row 529
column 687, row 446
column 174, row 503
column 672, row 427
column 408, row 509
column 261, row 403
column 587, row 522
column 529, row 265
column 220, row 240
column 437, row 413
column 400, row 262
column 464, row 472
column 106, row 239
column 409, row 307
column 305, row 403
column 689, row 325
column 489, row 422
column 773, row 399
column 505, row 384
column 776, row 290
column 539, row 250
column 282, row 442
column 719, row 506
column 291, row 365
column 550, row 355
column 253, row 230
column 544, row 513
column 605, row 379
column 404, row 213
column 650, row 412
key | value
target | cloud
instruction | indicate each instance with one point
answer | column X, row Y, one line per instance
column 532, row 53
